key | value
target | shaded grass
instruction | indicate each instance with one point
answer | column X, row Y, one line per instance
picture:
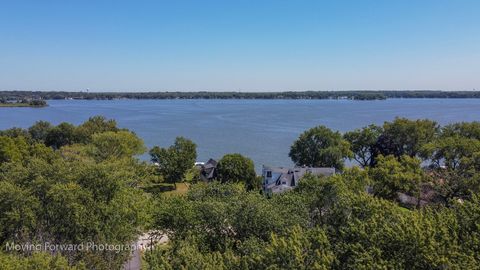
column 167, row 189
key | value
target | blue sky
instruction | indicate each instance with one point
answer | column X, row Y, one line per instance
column 239, row 45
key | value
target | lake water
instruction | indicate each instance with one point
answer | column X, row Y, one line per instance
column 260, row 129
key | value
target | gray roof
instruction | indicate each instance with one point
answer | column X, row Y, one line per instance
column 301, row 171
column 291, row 177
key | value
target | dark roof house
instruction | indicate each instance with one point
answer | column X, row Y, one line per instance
column 208, row 170
column 280, row 179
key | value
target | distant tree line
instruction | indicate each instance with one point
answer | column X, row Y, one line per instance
column 23, row 102
column 355, row 95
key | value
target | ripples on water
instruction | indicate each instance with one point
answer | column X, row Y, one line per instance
column 260, row 129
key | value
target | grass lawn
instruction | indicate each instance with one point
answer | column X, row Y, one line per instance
column 182, row 188
column 167, row 189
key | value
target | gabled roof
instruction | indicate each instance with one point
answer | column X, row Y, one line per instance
column 290, row 177
column 301, row 171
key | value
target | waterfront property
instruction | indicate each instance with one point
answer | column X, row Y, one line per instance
column 208, row 170
column 280, row 179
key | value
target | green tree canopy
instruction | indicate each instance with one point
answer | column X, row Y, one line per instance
column 116, row 145
column 174, row 161
column 392, row 175
column 63, row 134
column 233, row 168
column 12, row 149
column 94, row 125
column 405, row 137
column 39, row 131
column 320, row 147
column 362, row 143
column 71, row 194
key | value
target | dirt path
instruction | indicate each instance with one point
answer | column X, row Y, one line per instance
column 143, row 243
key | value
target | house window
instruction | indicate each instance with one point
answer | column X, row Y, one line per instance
column 269, row 174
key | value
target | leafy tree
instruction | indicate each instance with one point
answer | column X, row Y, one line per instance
column 299, row 249
column 39, row 131
column 469, row 130
column 405, row 137
column 94, row 125
column 63, row 134
column 237, row 168
column 173, row 162
column 467, row 214
column 18, row 208
column 71, row 196
column 451, row 151
column 320, row 147
column 12, row 149
column 116, row 145
column 14, row 133
column 362, row 143
column 38, row 260
column 391, row 175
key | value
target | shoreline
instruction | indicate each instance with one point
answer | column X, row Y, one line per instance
column 13, row 105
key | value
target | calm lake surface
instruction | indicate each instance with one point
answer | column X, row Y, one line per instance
column 260, row 129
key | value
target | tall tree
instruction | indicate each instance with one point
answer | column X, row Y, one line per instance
column 469, row 130
column 362, row 143
column 174, row 161
column 391, row 175
column 95, row 124
column 63, row 134
column 320, row 147
column 12, row 149
column 39, row 131
column 405, row 137
column 237, row 168
column 116, row 145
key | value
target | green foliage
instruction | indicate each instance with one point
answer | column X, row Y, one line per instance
column 233, row 168
column 39, row 131
column 391, row 176
column 451, row 151
column 18, row 208
column 12, row 149
column 116, row 145
column 38, row 260
column 71, row 194
column 173, row 162
column 455, row 158
column 14, row 133
column 469, row 130
column 63, row 134
column 299, row 249
column 94, row 125
column 405, row 137
column 85, row 187
column 222, row 215
column 362, row 143
column 333, row 226
column 320, row 147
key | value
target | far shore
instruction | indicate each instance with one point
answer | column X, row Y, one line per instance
column 16, row 105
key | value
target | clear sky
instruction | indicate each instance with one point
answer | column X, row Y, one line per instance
column 239, row 45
